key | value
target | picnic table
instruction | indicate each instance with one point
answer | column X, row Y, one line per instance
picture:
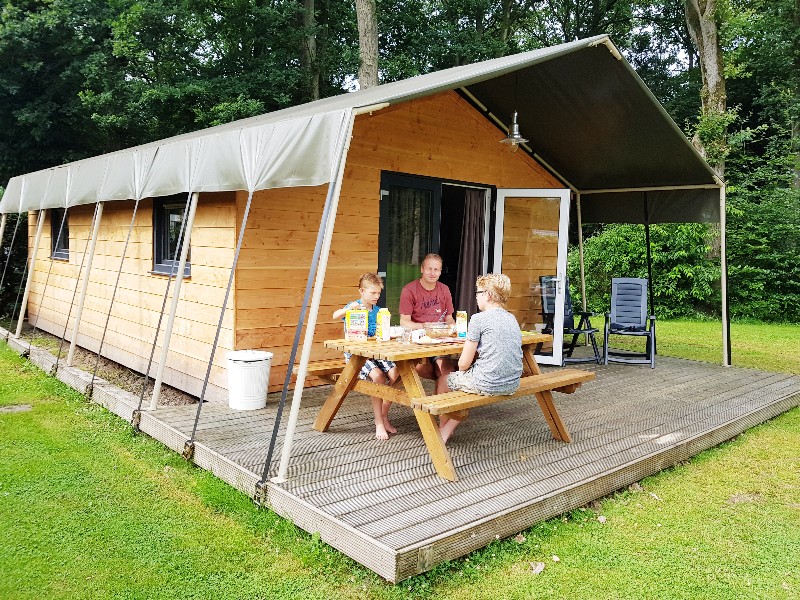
column 455, row 404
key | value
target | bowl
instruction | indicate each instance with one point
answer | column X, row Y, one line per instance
column 439, row 330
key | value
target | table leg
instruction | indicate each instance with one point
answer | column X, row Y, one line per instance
column 427, row 423
column 529, row 364
column 346, row 382
column 557, row 427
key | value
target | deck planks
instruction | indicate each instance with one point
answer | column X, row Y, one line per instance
column 381, row 502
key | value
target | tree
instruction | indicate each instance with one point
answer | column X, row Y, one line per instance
column 367, row 17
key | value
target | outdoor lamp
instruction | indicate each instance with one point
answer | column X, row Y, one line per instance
column 514, row 139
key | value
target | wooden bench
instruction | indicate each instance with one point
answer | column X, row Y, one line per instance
column 457, row 404
column 327, row 370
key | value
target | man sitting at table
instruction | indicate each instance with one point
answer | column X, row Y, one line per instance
column 427, row 300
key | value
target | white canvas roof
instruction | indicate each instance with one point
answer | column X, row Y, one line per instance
column 586, row 112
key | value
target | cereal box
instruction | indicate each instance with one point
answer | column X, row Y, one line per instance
column 356, row 324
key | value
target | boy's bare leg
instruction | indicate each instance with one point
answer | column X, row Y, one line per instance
column 444, row 366
column 377, row 412
column 446, row 430
column 383, row 409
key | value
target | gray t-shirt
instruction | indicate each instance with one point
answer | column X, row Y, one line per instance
column 499, row 364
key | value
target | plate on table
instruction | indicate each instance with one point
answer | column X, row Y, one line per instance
column 425, row 340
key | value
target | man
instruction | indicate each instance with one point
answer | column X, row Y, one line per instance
column 426, row 300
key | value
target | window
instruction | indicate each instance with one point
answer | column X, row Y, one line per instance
column 167, row 220
column 59, row 234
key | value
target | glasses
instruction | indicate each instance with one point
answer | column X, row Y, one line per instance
column 479, row 292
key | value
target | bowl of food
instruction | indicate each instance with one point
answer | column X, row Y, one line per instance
column 439, row 330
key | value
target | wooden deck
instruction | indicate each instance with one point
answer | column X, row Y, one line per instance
column 381, row 502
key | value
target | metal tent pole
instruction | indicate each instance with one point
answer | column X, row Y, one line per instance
column 723, row 257
column 146, row 376
column 189, row 446
column 72, row 301
column 95, row 230
column 10, row 250
column 649, row 255
column 32, row 261
column 3, row 219
column 580, row 251
column 174, row 306
column 291, row 425
column 47, row 277
column 113, row 296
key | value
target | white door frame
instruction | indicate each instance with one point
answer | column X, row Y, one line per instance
column 561, row 261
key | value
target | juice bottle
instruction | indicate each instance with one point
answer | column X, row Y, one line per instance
column 383, row 325
column 461, row 324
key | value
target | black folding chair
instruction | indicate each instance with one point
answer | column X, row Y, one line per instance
column 628, row 316
column 584, row 327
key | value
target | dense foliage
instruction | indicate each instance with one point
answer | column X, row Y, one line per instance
column 82, row 77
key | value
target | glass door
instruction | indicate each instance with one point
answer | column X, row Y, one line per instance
column 531, row 248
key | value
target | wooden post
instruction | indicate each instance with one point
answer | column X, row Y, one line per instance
column 24, row 303
column 82, row 299
column 187, row 236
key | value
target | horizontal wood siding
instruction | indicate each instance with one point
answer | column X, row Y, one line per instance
column 137, row 306
column 441, row 136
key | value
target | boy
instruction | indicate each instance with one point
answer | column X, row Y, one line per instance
column 379, row 371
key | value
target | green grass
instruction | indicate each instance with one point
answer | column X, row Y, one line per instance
column 89, row 510
column 754, row 345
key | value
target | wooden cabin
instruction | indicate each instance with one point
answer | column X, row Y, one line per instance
column 441, row 140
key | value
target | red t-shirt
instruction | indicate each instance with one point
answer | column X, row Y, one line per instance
column 423, row 305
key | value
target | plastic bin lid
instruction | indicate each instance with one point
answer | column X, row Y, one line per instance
column 248, row 355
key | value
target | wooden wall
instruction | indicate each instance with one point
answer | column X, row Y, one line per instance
column 440, row 136
column 139, row 298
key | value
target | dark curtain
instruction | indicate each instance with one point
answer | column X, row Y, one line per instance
column 470, row 260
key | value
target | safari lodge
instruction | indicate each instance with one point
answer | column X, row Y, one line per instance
column 247, row 236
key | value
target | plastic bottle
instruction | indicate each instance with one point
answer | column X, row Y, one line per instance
column 461, row 324
column 383, row 325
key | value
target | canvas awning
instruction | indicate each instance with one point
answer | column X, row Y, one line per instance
column 588, row 116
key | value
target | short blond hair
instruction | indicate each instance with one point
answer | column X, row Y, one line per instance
column 370, row 279
column 432, row 256
column 497, row 286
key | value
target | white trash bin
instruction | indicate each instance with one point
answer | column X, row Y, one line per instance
column 248, row 378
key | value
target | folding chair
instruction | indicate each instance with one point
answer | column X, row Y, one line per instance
column 584, row 327
column 628, row 316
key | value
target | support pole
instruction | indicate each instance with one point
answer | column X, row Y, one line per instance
column 35, row 251
column 95, row 230
column 291, row 425
column 723, row 258
column 174, row 306
column 580, row 251
column 3, row 219
column 649, row 254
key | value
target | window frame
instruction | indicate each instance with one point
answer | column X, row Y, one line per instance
column 162, row 207
column 59, row 244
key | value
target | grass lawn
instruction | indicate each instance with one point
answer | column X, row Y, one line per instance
column 89, row 510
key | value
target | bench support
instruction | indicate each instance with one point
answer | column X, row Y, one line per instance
column 344, row 384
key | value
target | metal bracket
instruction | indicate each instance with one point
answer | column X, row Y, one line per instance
column 54, row 370
column 188, row 450
column 89, row 391
column 260, row 496
column 136, row 420
column 26, row 352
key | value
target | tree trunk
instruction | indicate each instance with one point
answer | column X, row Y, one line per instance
column 308, row 50
column 701, row 20
column 795, row 123
column 367, row 16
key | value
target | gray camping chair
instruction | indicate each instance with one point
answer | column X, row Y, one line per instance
column 628, row 316
column 584, row 327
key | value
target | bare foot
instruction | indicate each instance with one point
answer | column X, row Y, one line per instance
column 388, row 426
column 380, row 432
column 447, row 430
